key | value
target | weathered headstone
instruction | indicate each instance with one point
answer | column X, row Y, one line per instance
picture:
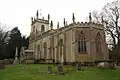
column 60, row 69
column 101, row 65
column 78, row 66
column 112, row 65
column 2, row 64
column 109, row 64
column 49, row 69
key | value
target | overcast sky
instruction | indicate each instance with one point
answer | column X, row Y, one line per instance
column 19, row 12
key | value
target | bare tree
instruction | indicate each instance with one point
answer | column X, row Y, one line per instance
column 3, row 33
column 110, row 15
column 3, row 36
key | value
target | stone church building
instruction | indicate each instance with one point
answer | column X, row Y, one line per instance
column 76, row 42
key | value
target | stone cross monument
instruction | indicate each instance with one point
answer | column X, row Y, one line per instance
column 22, row 54
column 16, row 57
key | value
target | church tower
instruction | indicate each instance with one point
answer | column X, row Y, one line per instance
column 39, row 25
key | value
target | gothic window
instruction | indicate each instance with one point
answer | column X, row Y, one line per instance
column 61, row 44
column 35, row 46
column 38, row 51
column 98, row 43
column 82, row 46
column 33, row 28
column 50, row 53
column 45, row 49
column 36, row 31
column 42, row 28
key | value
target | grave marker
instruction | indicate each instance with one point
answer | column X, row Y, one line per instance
column 49, row 69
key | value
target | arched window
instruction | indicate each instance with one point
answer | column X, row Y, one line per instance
column 45, row 49
column 36, row 31
column 82, row 45
column 42, row 28
column 38, row 51
column 33, row 28
column 61, row 44
column 98, row 43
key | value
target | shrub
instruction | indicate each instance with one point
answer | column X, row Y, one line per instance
column 9, row 61
column 36, row 61
column 2, row 64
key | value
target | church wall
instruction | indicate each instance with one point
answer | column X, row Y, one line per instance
column 69, row 54
column 92, row 45
column 68, row 48
column 32, row 47
column 104, row 46
column 72, row 36
column 47, row 41
column 104, row 51
column 51, row 47
column 36, row 49
column 56, row 54
column 61, row 36
column 41, row 43
column 83, row 57
column 73, row 45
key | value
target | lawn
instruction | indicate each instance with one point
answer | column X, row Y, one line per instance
column 38, row 72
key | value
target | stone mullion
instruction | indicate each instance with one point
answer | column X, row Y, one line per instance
column 80, row 45
column 83, row 47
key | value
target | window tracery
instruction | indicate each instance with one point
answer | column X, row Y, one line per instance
column 82, row 43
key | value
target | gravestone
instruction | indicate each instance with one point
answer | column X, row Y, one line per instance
column 111, row 65
column 2, row 64
column 78, row 66
column 60, row 69
column 49, row 69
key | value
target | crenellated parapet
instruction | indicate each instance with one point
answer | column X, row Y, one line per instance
column 41, row 21
column 87, row 24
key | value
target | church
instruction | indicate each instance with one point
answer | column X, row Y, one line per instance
column 75, row 42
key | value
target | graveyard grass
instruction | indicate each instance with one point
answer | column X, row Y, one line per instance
column 38, row 72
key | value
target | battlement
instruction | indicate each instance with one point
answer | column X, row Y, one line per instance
column 81, row 25
column 40, row 20
column 88, row 24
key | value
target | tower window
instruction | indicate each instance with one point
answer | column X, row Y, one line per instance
column 33, row 28
column 42, row 28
